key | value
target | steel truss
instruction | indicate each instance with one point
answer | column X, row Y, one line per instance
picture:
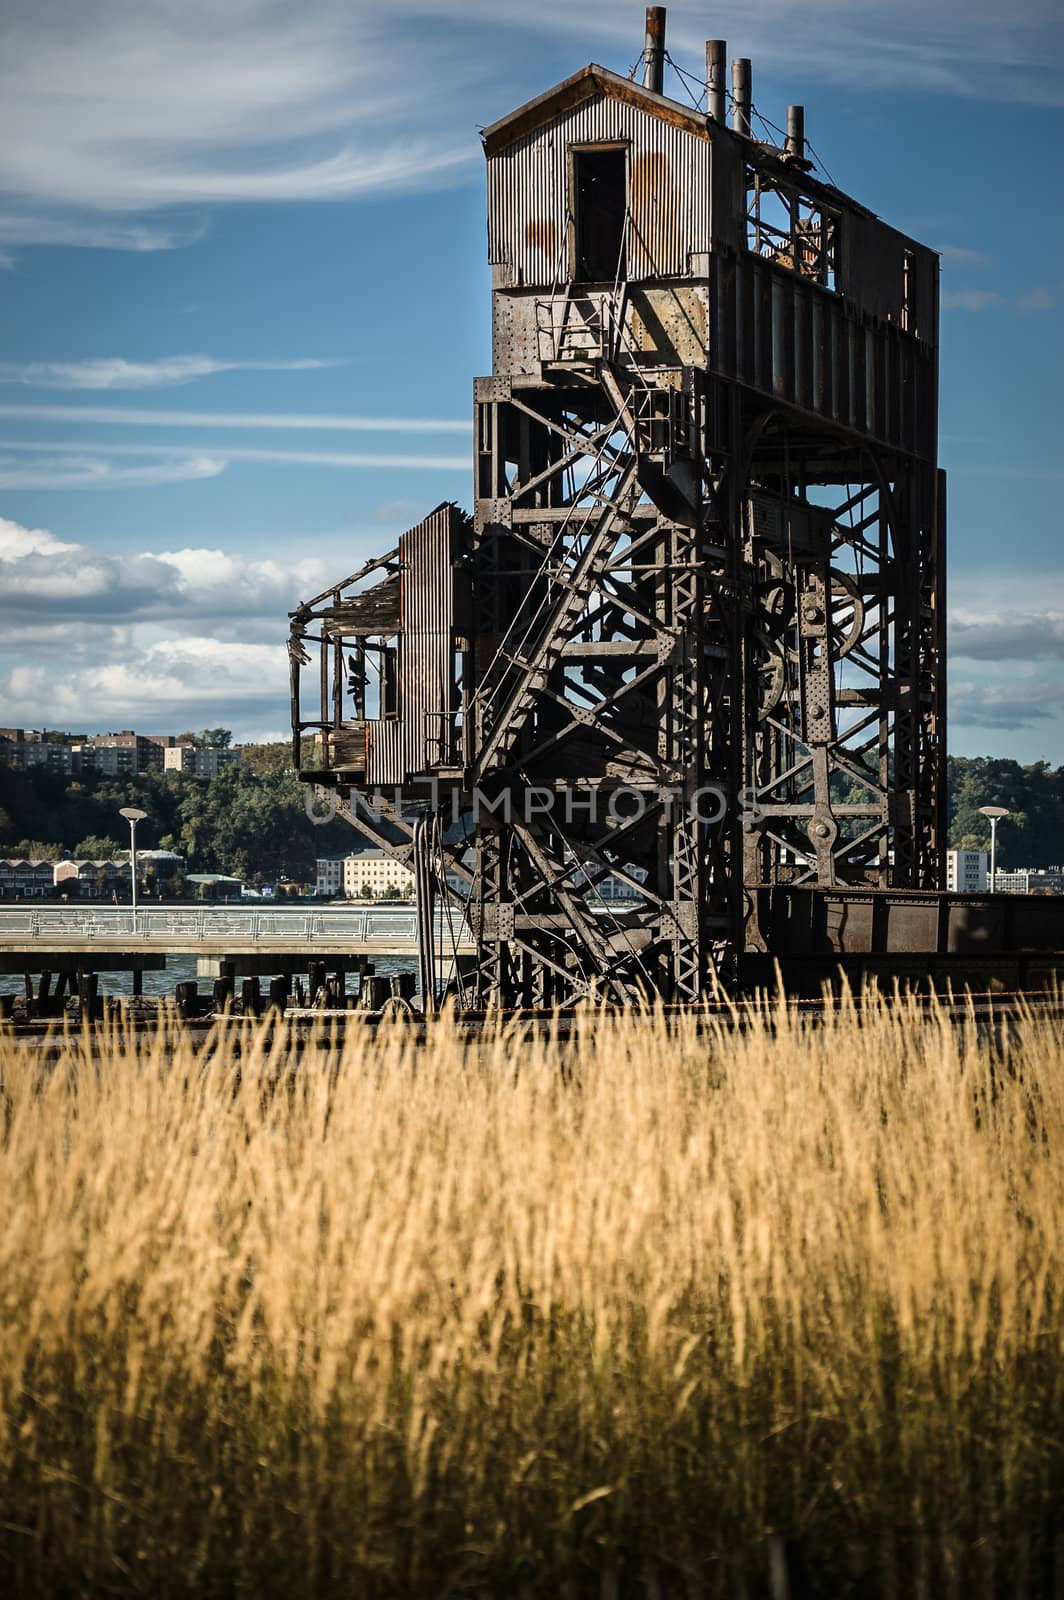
column 604, row 724
column 708, row 656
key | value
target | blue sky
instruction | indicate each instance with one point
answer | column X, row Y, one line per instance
column 244, row 296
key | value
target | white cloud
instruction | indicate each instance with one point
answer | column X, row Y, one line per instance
column 16, row 542
column 131, row 416
column 114, row 372
column 172, row 681
column 147, row 637
column 129, row 106
column 96, row 472
column 43, row 573
column 1007, row 635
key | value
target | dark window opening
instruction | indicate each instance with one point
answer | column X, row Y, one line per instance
column 600, row 185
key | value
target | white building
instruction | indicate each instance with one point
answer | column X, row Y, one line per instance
column 329, row 877
column 966, row 871
column 1018, row 882
column 377, row 873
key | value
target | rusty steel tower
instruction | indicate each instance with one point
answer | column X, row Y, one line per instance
column 689, row 648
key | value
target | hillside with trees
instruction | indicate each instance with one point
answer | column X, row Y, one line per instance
column 250, row 820
column 1032, row 835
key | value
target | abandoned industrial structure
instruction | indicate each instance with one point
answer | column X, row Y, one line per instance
column 692, row 636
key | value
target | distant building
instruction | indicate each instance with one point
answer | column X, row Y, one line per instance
column 112, row 755
column 122, row 752
column 214, row 885
column 198, row 761
column 22, row 879
column 377, row 872
column 92, row 879
column 1030, row 880
column 23, row 753
column 329, row 877
column 966, row 871
column 113, row 761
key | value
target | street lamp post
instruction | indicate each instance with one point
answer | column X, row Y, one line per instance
column 133, row 816
column 995, row 813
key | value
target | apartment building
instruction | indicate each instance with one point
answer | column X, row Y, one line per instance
column 376, row 872
column 23, row 754
column 197, row 761
column 329, row 877
column 966, row 871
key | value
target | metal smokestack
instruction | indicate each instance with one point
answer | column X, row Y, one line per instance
column 716, row 67
column 654, row 50
column 741, row 95
column 796, row 132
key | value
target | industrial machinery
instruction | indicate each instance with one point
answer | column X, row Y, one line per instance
column 683, row 668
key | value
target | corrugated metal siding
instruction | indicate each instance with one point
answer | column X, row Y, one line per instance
column 668, row 171
column 400, row 747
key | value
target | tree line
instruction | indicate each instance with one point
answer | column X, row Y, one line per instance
column 251, row 819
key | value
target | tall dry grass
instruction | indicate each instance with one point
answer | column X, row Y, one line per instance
column 401, row 1320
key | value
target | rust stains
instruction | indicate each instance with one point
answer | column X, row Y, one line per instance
column 655, row 210
column 543, row 235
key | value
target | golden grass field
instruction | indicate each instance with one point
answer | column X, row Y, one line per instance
column 630, row 1315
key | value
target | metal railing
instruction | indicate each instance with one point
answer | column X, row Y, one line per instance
column 247, row 927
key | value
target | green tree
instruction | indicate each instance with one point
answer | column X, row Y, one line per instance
column 34, row 850
column 97, row 847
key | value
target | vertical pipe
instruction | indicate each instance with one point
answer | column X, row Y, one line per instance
column 654, row 50
column 796, row 132
column 716, row 66
column 741, row 95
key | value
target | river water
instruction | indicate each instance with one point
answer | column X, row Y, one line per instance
column 179, row 968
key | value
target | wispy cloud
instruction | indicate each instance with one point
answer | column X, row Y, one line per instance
column 1039, row 299
column 971, row 299
column 131, row 106
column 64, row 451
column 311, row 421
column 96, row 472
column 959, row 255
column 114, row 372
column 34, row 226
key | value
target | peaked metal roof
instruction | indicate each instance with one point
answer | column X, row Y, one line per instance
column 585, row 85
column 594, row 80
